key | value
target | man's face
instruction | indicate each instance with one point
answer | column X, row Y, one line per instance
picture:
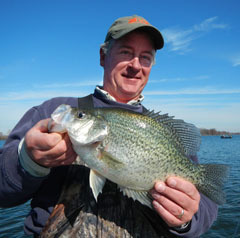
column 127, row 66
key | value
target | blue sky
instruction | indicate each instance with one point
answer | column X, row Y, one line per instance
column 51, row 48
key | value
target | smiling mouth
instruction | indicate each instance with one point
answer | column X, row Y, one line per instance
column 131, row 77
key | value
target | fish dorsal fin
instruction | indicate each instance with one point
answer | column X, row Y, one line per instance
column 188, row 134
column 96, row 182
column 141, row 196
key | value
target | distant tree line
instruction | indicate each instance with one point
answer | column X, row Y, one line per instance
column 213, row 131
column 2, row 136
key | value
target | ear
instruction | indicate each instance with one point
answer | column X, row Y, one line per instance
column 102, row 57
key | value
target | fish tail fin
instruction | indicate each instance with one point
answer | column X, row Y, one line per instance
column 214, row 177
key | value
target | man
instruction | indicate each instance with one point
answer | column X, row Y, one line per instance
column 34, row 162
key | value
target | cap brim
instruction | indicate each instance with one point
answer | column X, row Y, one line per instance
column 156, row 36
column 154, row 33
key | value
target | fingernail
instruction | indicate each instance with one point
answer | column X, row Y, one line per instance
column 157, row 205
column 172, row 182
column 160, row 187
column 155, row 196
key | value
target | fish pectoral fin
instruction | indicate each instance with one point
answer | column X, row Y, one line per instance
column 141, row 196
column 110, row 160
column 96, row 182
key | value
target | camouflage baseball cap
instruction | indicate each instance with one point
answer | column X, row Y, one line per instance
column 125, row 25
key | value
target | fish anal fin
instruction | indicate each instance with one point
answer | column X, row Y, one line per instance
column 96, row 182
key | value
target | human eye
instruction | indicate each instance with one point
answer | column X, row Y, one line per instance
column 146, row 57
column 146, row 60
column 125, row 52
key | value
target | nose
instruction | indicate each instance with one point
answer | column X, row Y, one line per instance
column 135, row 63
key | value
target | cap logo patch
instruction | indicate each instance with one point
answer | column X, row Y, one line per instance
column 137, row 20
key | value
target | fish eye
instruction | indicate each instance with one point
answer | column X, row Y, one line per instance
column 81, row 114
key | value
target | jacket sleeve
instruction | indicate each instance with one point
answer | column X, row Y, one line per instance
column 17, row 185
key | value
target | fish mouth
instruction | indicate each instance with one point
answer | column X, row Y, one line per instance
column 82, row 134
column 56, row 127
column 86, row 133
column 85, row 127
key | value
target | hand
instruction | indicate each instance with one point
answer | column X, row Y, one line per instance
column 173, row 197
column 49, row 149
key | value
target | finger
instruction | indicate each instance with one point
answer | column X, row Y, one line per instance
column 64, row 159
column 64, row 147
column 176, row 196
column 50, row 139
column 54, row 156
column 173, row 208
column 43, row 125
column 37, row 140
column 62, row 153
column 169, row 218
column 170, row 206
column 69, row 160
column 67, row 141
column 183, row 186
column 65, row 151
column 47, row 149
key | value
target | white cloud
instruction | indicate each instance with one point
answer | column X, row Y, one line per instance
column 86, row 83
column 43, row 95
column 236, row 61
column 209, row 24
column 194, row 91
column 180, row 40
column 179, row 79
column 46, row 91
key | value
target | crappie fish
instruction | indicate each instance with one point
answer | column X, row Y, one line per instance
column 135, row 150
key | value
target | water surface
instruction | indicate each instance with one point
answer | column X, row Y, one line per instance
column 213, row 150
